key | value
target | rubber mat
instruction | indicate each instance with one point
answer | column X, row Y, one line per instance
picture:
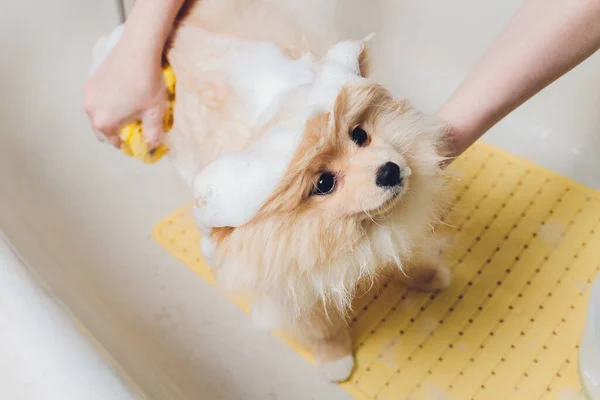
column 526, row 249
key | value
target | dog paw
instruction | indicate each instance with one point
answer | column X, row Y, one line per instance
column 440, row 279
column 427, row 278
column 337, row 370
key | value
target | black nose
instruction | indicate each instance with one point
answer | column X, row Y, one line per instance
column 388, row 175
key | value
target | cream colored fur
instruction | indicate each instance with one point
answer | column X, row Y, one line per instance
column 302, row 256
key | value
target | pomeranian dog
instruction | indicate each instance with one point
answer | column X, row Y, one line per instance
column 309, row 178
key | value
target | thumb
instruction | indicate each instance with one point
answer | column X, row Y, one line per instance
column 152, row 124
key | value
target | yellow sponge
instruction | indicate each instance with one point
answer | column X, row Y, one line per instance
column 132, row 135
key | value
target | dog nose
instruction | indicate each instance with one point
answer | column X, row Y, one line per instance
column 388, row 175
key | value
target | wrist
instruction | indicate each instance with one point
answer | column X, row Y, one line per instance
column 148, row 51
column 462, row 130
column 139, row 41
column 148, row 26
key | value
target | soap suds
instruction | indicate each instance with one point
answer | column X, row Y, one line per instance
column 388, row 355
column 434, row 391
column 427, row 325
column 208, row 247
column 552, row 232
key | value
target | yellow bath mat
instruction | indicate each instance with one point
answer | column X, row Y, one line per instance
column 527, row 249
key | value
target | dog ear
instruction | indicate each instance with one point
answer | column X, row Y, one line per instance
column 364, row 61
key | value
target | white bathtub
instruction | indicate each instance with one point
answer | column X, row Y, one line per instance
column 44, row 353
column 81, row 214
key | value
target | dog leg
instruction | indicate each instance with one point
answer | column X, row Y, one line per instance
column 327, row 335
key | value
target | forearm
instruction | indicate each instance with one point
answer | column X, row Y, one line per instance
column 544, row 40
column 149, row 25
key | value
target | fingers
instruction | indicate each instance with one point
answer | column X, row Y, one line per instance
column 105, row 129
column 113, row 139
column 110, row 106
column 152, row 124
column 106, row 132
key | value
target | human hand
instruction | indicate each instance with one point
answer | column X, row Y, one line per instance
column 127, row 86
column 541, row 43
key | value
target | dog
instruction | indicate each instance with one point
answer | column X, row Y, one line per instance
column 310, row 180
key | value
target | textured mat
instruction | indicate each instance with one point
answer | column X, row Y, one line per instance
column 526, row 250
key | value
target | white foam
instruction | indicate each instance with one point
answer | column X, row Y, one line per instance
column 208, row 247
column 232, row 189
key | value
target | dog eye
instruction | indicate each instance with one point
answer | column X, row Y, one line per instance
column 359, row 136
column 325, row 184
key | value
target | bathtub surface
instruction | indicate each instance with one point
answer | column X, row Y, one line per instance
column 44, row 354
column 81, row 214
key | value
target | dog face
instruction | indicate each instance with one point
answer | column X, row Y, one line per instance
column 313, row 239
column 356, row 163
column 353, row 167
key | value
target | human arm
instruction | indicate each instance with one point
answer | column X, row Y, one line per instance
column 544, row 40
column 129, row 83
